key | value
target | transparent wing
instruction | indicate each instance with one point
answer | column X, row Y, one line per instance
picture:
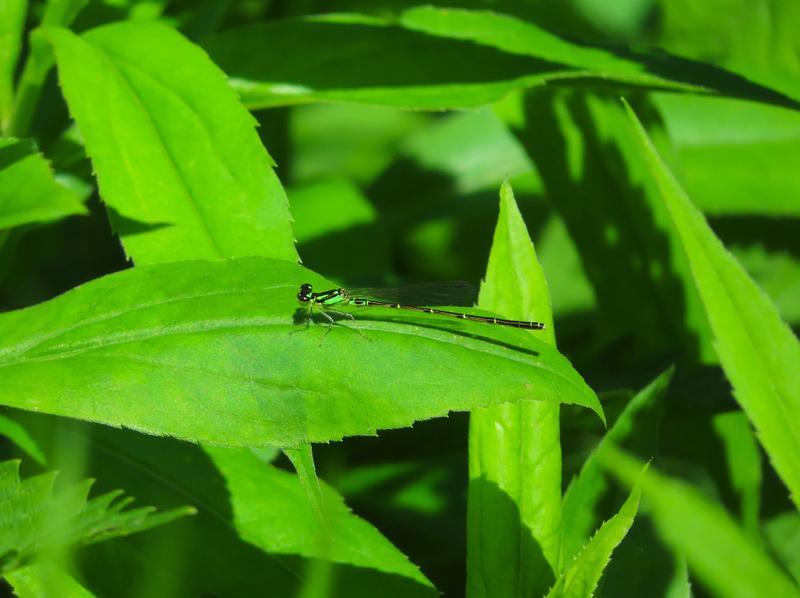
column 453, row 292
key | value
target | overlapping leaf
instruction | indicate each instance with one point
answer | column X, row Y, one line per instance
column 36, row 519
column 639, row 421
column 28, row 192
column 436, row 58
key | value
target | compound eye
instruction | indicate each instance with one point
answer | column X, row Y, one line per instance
column 304, row 296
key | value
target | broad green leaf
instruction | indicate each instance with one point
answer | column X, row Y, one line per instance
column 715, row 138
column 207, row 351
column 176, row 156
column 28, row 192
column 583, row 573
column 254, row 528
column 594, row 175
column 514, row 504
column 432, row 61
column 759, row 353
column 36, row 519
column 45, row 579
column 637, row 424
column 351, row 540
column 717, row 550
column 12, row 26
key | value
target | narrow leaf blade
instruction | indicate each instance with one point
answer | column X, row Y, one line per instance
column 759, row 353
column 714, row 546
column 584, row 494
column 581, row 577
column 514, row 505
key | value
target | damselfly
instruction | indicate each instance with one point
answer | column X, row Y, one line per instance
column 418, row 297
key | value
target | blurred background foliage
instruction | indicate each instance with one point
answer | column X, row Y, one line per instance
column 381, row 196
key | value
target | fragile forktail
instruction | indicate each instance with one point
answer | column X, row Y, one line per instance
column 412, row 298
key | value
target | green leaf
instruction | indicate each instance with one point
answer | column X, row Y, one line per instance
column 36, row 519
column 759, row 353
column 581, row 577
column 436, row 59
column 28, row 192
column 288, row 511
column 582, row 500
column 177, row 157
column 716, row 549
column 12, row 26
column 206, row 351
column 45, row 579
column 714, row 137
column 514, row 505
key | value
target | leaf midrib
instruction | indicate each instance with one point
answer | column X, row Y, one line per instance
column 187, row 193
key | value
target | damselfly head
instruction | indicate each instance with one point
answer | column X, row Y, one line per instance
column 304, row 296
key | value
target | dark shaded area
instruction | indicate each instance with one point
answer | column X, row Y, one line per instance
column 39, row 263
column 612, row 221
column 436, row 540
column 16, row 151
column 775, row 234
column 409, row 197
column 512, row 546
column 349, row 55
column 333, row 56
column 195, row 555
column 628, row 574
column 124, row 226
column 359, row 255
